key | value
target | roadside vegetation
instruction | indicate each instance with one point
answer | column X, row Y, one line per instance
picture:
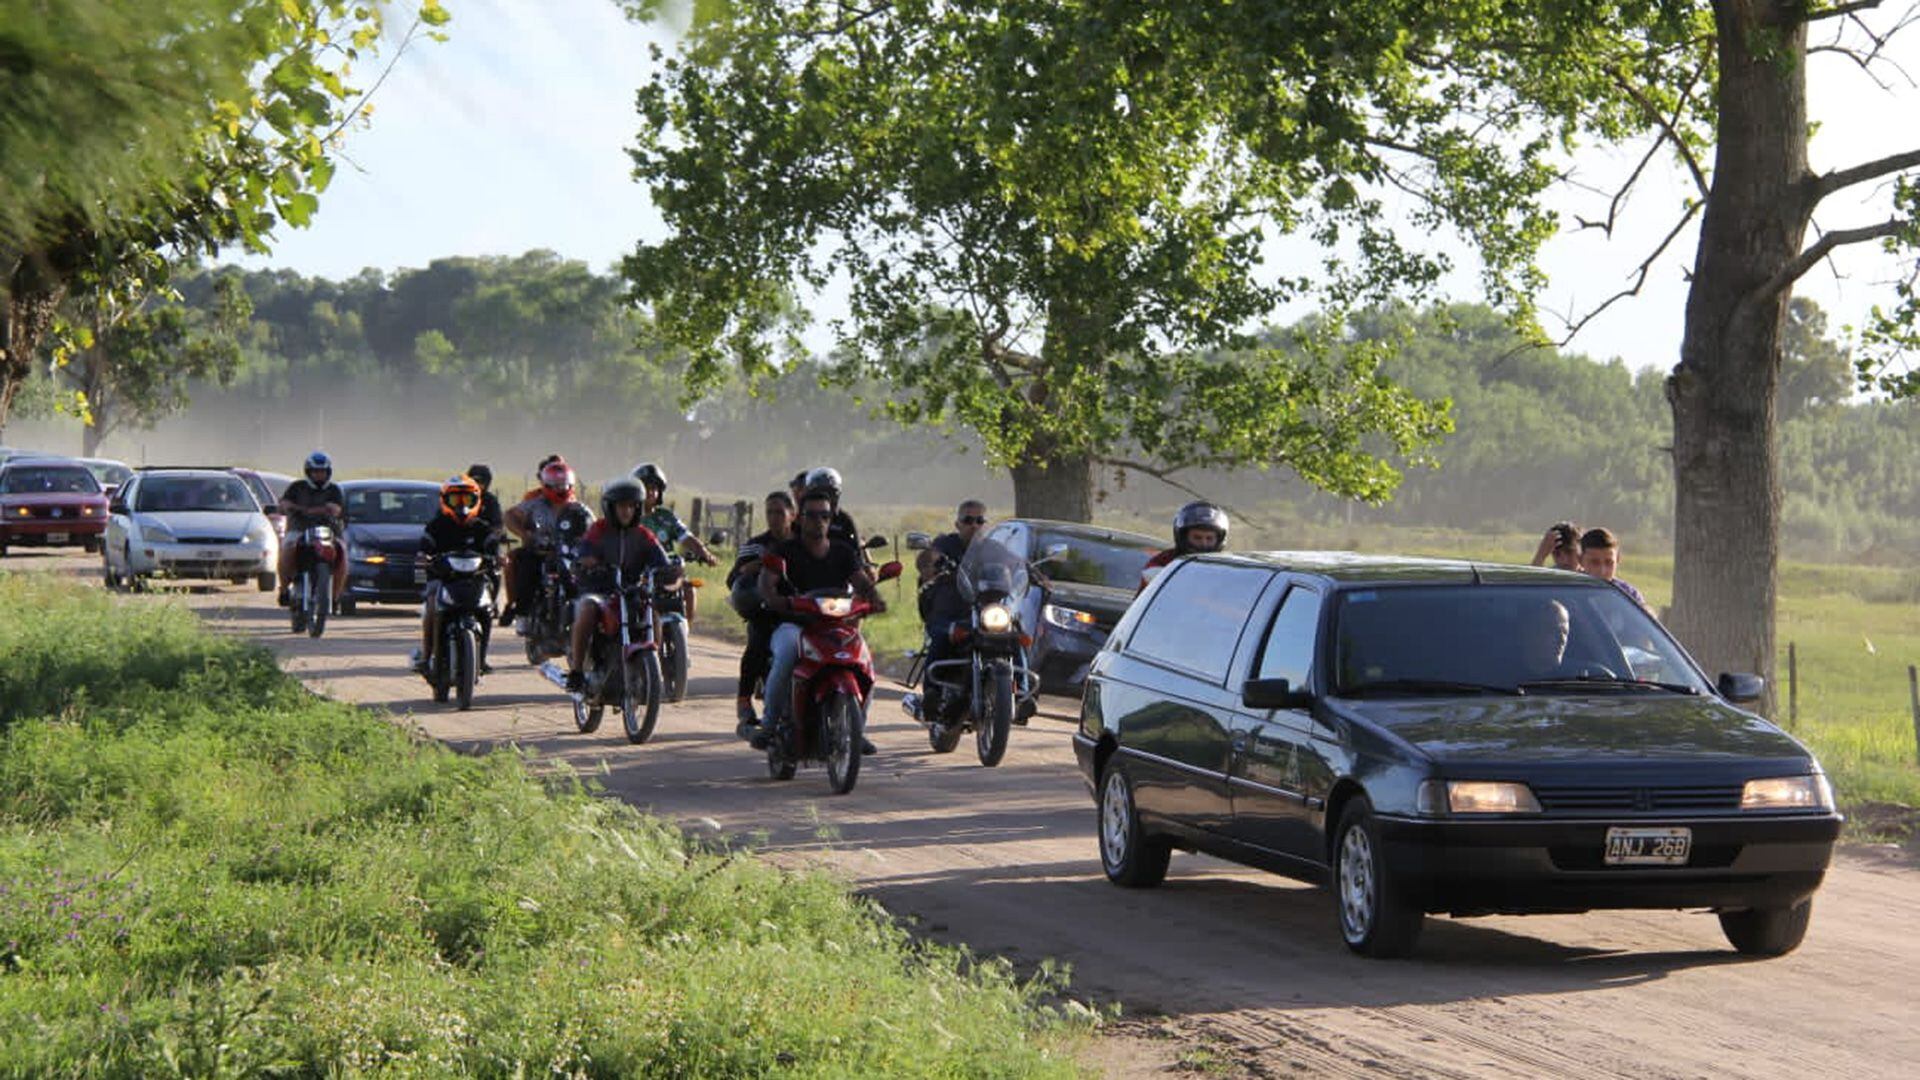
column 206, row 870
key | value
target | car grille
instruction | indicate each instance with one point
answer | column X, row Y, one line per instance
column 208, row 540
column 1622, row 799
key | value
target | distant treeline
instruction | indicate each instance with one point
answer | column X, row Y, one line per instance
column 504, row 359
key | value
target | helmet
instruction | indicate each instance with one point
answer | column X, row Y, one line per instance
column 481, row 475
column 460, row 498
column 556, row 481
column 572, row 523
column 650, row 475
column 824, row 479
column 799, row 481
column 1198, row 515
column 625, row 489
column 318, row 462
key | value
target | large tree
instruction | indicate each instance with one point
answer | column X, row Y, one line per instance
column 1050, row 234
column 135, row 126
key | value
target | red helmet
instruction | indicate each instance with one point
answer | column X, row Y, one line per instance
column 556, row 482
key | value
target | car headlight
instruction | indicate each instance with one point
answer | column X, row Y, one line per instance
column 1067, row 618
column 996, row 619
column 259, row 532
column 1477, row 797
column 1811, row 792
column 155, row 529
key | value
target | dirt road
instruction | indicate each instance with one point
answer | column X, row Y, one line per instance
column 1234, row 972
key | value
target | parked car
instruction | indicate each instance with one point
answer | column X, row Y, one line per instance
column 1092, row 573
column 109, row 472
column 49, row 502
column 188, row 523
column 1430, row 736
column 385, row 519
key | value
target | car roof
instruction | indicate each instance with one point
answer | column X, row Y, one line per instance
column 403, row 484
column 38, row 460
column 1352, row 566
column 188, row 470
column 1082, row 530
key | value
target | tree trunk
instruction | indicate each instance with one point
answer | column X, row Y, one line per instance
column 32, row 299
column 1726, row 454
column 91, row 435
column 1057, row 486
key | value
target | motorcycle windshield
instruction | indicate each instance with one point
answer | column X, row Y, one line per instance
column 989, row 568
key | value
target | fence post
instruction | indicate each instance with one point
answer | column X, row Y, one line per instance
column 1793, row 686
column 1913, row 696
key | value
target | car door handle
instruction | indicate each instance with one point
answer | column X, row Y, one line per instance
column 1239, row 742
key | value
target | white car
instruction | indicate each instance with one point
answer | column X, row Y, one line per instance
column 188, row 523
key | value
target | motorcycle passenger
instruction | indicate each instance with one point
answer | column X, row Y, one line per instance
column 743, row 584
column 457, row 528
column 1198, row 528
column 490, row 510
column 814, row 560
column 842, row 529
column 532, row 522
column 617, row 540
column 312, row 500
column 666, row 525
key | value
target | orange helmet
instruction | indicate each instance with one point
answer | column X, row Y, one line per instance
column 556, row 481
column 460, row 498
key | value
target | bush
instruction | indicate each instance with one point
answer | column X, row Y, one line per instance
column 204, row 869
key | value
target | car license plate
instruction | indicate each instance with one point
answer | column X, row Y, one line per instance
column 1649, row 847
column 210, row 556
column 419, row 575
column 57, row 538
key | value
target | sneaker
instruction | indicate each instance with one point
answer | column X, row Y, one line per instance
column 867, row 749
column 912, row 704
column 419, row 662
column 506, row 616
column 485, row 668
column 760, row 738
column 285, row 599
column 1025, row 711
column 576, row 682
column 522, row 625
column 748, row 724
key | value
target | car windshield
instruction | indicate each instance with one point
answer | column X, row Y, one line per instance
column 1534, row 639
column 217, row 494
column 110, row 472
column 1114, row 560
column 392, row 506
column 260, row 490
column 48, row 480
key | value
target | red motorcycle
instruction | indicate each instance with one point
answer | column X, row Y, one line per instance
column 832, row 684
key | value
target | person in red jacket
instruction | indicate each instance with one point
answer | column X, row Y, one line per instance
column 1198, row 528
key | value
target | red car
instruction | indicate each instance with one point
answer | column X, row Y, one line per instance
column 50, row 502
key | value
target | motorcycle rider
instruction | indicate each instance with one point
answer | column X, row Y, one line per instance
column 617, row 540
column 532, row 522
column 314, row 499
column 743, row 583
column 941, row 604
column 457, row 528
column 813, row 560
column 1198, row 528
column 666, row 525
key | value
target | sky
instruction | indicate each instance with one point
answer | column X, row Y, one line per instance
column 512, row 135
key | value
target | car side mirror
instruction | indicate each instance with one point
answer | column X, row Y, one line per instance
column 918, row 541
column 890, row 571
column 1273, row 694
column 1740, row 687
column 116, row 506
column 874, row 542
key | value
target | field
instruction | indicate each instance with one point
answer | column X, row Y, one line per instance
column 205, row 870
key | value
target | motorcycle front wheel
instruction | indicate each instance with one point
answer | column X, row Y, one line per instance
column 673, row 658
column 465, row 669
column 587, row 717
column 319, row 597
column 842, row 725
column 640, row 695
column 996, row 718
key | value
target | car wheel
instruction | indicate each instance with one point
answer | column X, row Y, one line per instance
column 1375, row 920
column 1128, row 855
column 348, row 605
column 1767, row 931
column 90, row 545
column 263, row 582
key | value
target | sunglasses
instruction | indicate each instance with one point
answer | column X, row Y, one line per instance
column 973, row 519
column 819, row 515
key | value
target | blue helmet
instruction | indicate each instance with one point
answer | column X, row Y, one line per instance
column 319, row 462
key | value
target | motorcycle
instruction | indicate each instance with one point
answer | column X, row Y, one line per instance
column 550, row 612
column 670, row 608
column 316, row 561
column 465, row 605
column 987, row 688
column 832, row 686
column 622, row 663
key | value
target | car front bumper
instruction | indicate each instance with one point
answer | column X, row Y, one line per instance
column 389, row 582
column 51, row 532
column 209, row 561
column 1516, row 867
column 1060, row 659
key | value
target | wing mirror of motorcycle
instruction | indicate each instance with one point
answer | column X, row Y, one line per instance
column 918, row 541
column 717, row 538
column 874, row 542
column 890, row 571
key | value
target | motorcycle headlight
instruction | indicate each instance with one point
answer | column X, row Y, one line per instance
column 1810, row 792
column 836, row 606
column 996, row 619
column 1067, row 618
column 464, row 564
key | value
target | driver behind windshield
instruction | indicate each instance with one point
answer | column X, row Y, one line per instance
column 1543, row 629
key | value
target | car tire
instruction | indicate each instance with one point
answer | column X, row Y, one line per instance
column 1767, row 931
column 1130, row 857
column 263, row 582
column 1373, row 917
column 348, row 605
column 90, row 545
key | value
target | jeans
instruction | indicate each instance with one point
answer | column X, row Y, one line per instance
column 786, row 652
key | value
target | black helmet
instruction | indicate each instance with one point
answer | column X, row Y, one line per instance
column 481, row 475
column 572, row 523
column 650, row 475
column 1198, row 515
column 625, row 489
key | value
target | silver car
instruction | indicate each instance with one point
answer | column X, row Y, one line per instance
column 200, row 524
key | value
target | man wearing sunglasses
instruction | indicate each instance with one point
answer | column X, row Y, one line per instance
column 941, row 605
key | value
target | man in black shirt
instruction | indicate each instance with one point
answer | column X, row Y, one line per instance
column 813, row 561
column 941, row 604
column 743, row 583
column 313, row 500
column 457, row 528
column 490, row 511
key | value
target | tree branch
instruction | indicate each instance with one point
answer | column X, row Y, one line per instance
column 1165, row 476
column 1828, row 183
column 1666, row 127
column 1842, row 10
column 1806, row 260
column 1639, row 277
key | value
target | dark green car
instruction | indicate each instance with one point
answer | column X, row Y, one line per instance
column 1428, row 737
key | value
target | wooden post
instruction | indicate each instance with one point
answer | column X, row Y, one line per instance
column 1793, row 686
column 699, row 506
column 1913, row 696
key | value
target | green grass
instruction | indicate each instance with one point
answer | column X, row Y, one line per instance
column 204, row 869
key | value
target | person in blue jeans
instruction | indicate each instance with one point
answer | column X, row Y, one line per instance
column 809, row 562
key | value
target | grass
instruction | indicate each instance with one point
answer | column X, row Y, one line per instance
column 206, row 870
